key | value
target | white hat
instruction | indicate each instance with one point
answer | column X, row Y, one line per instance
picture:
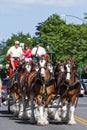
column 17, row 42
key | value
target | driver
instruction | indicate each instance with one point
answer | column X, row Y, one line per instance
column 38, row 50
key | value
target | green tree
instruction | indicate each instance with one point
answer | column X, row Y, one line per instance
column 67, row 39
column 22, row 38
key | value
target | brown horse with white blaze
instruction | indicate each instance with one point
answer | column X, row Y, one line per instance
column 69, row 91
column 42, row 89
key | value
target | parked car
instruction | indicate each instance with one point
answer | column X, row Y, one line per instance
column 84, row 83
column 82, row 91
column 4, row 89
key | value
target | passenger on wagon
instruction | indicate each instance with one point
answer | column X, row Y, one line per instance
column 38, row 51
column 27, row 53
column 15, row 52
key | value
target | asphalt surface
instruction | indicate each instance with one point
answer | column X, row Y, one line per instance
column 9, row 122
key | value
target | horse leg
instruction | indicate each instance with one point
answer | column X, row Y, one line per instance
column 42, row 115
column 57, row 115
column 71, row 111
column 50, row 111
column 16, row 96
column 22, row 113
column 48, row 100
column 27, row 109
column 71, row 115
column 16, row 101
column 62, row 112
column 32, row 119
column 42, row 120
column 16, row 93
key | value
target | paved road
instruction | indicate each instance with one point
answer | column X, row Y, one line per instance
column 9, row 122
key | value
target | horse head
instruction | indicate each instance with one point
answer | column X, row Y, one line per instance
column 50, row 67
column 69, row 64
column 59, row 72
column 28, row 66
column 42, row 65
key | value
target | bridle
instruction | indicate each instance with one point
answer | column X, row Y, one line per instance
column 69, row 69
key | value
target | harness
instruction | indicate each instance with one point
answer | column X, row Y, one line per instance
column 75, row 85
column 35, row 58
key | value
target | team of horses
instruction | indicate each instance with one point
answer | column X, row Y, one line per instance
column 40, row 85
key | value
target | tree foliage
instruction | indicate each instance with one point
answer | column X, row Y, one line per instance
column 68, row 40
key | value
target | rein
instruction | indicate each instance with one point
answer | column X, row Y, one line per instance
column 48, row 81
column 45, row 82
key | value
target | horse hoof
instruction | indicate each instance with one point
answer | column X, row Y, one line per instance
column 31, row 121
column 15, row 114
column 20, row 115
column 46, row 122
column 71, row 122
column 42, row 122
column 28, row 115
column 58, row 119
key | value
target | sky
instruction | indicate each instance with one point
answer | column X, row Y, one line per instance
column 24, row 15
